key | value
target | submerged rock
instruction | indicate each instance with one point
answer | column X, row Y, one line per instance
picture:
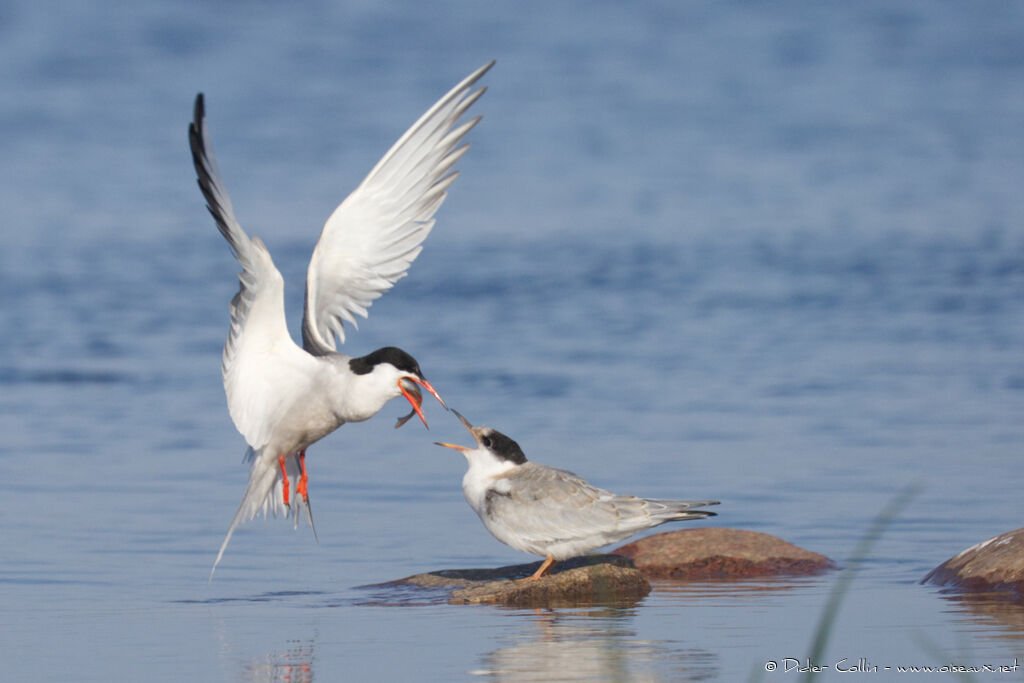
column 715, row 553
column 586, row 580
column 993, row 565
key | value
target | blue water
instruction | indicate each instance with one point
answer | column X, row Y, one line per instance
column 767, row 253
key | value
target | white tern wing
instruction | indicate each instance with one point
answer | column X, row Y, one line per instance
column 369, row 241
column 263, row 368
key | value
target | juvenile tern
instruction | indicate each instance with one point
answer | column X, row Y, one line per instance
column 283, row 398
column 552, row 512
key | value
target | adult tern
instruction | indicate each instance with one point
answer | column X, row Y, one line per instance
column 282, row 397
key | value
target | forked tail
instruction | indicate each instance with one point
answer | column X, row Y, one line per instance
column 266, row 493
column 679, row 510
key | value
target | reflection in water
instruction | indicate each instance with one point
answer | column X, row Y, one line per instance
column 739, row 590
column 294, row 665
column 988, row 614
column 593, row 645
column 600, row 644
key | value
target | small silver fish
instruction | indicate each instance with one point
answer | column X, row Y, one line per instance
column 403, row 420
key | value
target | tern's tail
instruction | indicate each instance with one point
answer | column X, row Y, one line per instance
column 678, row 510
column 265, row 493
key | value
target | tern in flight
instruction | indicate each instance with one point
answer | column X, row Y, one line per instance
column 283, row 397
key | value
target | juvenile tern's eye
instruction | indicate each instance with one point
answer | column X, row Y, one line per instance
column 486, row 441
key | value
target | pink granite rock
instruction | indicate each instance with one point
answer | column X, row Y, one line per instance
column 993, row 565
column 715, row 553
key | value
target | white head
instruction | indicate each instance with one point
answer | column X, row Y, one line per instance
column 388, row 373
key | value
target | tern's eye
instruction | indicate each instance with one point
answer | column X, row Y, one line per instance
column 486, row 441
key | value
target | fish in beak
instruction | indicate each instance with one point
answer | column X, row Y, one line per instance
column 412, row 394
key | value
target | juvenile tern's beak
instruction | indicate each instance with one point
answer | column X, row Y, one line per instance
column 464, row 421
column 451, row 445
column 407, row 385
column 468, row 426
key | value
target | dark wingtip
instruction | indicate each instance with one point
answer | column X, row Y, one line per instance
column 199, row 111
column 194, row 136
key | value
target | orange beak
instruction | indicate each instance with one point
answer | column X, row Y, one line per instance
column 451, row 445
column 415, row 398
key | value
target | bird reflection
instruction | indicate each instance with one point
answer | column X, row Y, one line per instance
column 592, row 645
column 294, row 665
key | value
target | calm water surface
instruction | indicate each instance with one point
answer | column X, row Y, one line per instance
column 772, row 255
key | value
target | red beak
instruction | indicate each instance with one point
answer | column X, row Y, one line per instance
column 415, row 399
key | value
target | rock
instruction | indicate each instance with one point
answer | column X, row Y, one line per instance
column 596, row 584
column 586, row 580
column 715, row 553
column 706, row 553
column 993, row 565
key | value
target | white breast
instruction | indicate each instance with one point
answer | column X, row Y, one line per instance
column 484, row 474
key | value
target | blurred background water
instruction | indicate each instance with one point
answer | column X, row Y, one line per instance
column 770, row 253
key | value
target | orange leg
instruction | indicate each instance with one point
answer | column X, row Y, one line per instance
column 284, row 476
column 302, row 487
column 541, row 570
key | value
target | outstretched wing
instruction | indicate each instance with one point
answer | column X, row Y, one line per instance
column 369, row 241
column 262, row 366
